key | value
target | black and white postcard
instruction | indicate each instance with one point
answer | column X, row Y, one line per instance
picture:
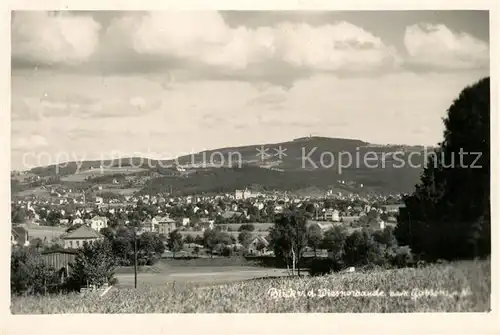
column 336, row 163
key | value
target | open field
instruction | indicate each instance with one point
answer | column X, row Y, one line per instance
column 120, row 191
column 170, row 265
column 38, row 192
column 194, row 275
column 195, row 233
column 80, row 176
column 455, row 287
column 21, row 178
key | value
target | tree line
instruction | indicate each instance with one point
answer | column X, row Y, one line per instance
column 447, row 217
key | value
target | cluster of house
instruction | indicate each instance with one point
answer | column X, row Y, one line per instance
column 367, row 215
column 22, row 234
column 237, row 205
column 88, row 231
column 64, row 196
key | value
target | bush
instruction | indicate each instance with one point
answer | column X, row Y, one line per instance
column 30, row 275
column 247, row 226
column 322, row 266
column 113, row 281
column 94, row 265
column 150, row 259
column 227, row 252
column 402, row 257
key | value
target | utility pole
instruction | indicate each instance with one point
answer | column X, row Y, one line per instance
column 135, row 257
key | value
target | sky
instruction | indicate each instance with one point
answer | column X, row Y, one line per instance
column 101, row 85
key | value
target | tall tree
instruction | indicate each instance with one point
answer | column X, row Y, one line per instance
column 210, row 240
column 245, row 238
column 289, row 237
column 448, row 215
column 314, row 237
column 94, row 265
column 175, row 242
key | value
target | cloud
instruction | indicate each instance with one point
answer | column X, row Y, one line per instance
column 187, row 46
column 204, row 39
column 22, row 110
column 436, row 46
column 33, row 141
column 53, row 38
column 268, row 99
column 79, row 134
column 59, row 105
column 135, row 106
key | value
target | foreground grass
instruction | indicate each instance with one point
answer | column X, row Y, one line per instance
column 454, row 287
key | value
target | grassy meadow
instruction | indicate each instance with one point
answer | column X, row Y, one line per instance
column 455, row 287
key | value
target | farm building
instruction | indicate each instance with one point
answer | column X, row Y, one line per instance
column 79, row 236
column 60, row 260
column 19, row 236
column 258, row 244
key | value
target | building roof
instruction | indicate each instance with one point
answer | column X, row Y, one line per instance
column 164, row 219
column 59, row 251
column 97, row 217
column 261, row 239
column 82, row 232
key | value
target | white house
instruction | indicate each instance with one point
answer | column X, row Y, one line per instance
column 259, row 205
column 332, row 215
column 77, row 220
column 257, row 245
column 63, row 221
column 206, row 224
column 377, row 223
column 81, row 235
column 98, row 222
column 238, row 194
column 163, row 224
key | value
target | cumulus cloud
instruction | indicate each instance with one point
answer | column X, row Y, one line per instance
column 331, row 47
column 205, row 38
column 53, row 38
column 186, row 46
column 438, row 47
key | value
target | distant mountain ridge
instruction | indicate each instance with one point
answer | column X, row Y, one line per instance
column 300, row 163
